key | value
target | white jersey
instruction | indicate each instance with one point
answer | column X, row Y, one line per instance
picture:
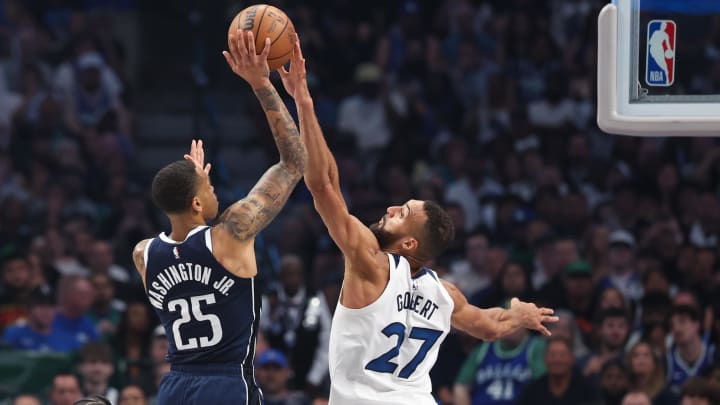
column 383, row 353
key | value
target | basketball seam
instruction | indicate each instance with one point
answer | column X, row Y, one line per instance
column 278, row 57
column 287, row 20
column 259, row 26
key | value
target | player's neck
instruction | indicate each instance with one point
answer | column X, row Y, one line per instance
column 181, row 225
column 95, row 388
column 415, row 263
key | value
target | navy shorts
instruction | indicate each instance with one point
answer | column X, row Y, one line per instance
column 208, row 384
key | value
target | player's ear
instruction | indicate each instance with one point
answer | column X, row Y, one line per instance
column 410, row 244
column 196, row 204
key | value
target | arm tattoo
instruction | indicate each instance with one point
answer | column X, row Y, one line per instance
column 269, row 98
column 285, row 132
column 247, row 217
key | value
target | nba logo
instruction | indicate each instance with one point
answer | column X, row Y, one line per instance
column 660, row 64
column 176, row 252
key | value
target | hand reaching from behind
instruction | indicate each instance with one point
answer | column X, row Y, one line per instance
column 197, row 156
column 244, row 60
column 532, row 317
column 295, row 80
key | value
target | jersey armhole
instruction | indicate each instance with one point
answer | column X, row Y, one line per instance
column 146, row 252
column 208, row 239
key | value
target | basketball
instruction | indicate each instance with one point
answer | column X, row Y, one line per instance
column 266, row 21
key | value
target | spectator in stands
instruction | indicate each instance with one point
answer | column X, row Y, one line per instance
column 90, row 96
column 159, row 371
column 689, row 356
column 96, row 367
column 611, row 297
column 131, row 343
column 512, row 281
column 364, row 115
column 636, row 398
column 26, row 399
column 567, row 328
column 101, row 259
column 16, row 284
column 572, row 290
column 273, row 375
column 132, row 395
column 106, row 310
column 545, row 265
column 561, row 385
column 700, row 391
column 157, row 359
column 647, row 373
column 65, row 389
column 297, row 322
column 470, row 272
column 39, row 333
column 654, row 310
column 496, row 372
column 75, row 296
column 613, row 382
column 621, row 265
column 159, row 346
column 613, row 328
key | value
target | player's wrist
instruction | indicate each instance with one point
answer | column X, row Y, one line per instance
column 304, row 100
column 262, row 83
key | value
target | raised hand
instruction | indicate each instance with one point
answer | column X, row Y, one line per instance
column 197, row 156
column 531, row 316
column 295, row 80
column 244, row 60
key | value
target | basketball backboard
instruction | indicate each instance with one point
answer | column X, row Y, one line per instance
column 659, row 67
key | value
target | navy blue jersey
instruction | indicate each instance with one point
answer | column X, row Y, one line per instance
column 210, row 316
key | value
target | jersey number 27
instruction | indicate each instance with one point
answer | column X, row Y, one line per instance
column 187, row 313
column 383, row 364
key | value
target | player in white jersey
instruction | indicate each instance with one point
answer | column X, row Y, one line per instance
column 393, row 313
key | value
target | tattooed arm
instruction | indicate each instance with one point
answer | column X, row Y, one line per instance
column 247, row 217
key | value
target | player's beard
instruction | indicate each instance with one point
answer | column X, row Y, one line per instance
column 384, row 238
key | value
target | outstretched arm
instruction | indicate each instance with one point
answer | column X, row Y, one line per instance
column 247, row 217
column 321, row 173
column 494, row 323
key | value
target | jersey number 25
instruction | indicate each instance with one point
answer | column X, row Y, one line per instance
column 187, row 313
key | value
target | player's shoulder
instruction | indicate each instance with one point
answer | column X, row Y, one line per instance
column 451, row 289
column 139, row 253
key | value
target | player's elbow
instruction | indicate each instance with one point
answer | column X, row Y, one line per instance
column 294, row 168
column 295, row 164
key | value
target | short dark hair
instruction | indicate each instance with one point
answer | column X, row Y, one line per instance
column 437, row 233
column 703, row 388
column 687, row 310
column 174, row 186
column 93, row 400
column 12, row 257
column 96, row 351
column 559, row 339
column 65, row 373
column 608, row 313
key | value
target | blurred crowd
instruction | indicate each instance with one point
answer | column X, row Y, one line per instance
column 484, row 106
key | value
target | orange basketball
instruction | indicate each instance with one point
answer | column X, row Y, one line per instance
column 266, row 21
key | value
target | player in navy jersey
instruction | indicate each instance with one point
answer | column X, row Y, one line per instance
column 200, row 279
